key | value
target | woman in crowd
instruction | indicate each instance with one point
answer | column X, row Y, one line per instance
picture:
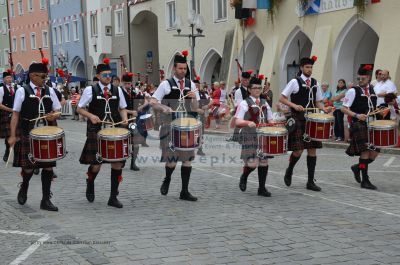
column 337, row 99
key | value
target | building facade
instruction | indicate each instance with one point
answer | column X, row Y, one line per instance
column 336, row 33
column 4, row 36
column 29, row 31
column 67, row 36
column 153, row 45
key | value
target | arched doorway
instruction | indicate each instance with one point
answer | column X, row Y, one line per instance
column 297, row 46
column 211, row 66
column 78, row 67
column 356, row 44
column 144, row 45
column 253, row 53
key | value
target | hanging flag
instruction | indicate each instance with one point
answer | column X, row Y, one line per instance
column 249, row 4
column 263, row 4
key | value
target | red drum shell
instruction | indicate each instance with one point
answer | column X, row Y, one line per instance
column 186, row 134
column 383, row 133
column 272, row 141
column 113, row 144
column 319, row 126
column 47, row 144
column 147, row 121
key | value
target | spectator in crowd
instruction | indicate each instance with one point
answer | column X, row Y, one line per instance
column 214, row 105
column 116, row 81
column 385, row 86
column 378, row 79
column 267, row 92
column 74, row 102
column 337, row 99
column 236, row 87
column 326, row 94
column 223, row 101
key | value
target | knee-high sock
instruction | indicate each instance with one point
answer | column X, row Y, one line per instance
column 292, row 162
column 185, row 175
column 46, row 177
column 246, row 171
column 116, row 178
column 91, row 175
column 169, row 171
column 363, row 166
column 262, row 176
column 311, row 162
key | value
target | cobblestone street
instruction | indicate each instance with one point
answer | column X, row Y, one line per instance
column 343, row 224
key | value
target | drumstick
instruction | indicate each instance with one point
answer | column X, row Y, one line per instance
column 188, row 94
column 131, row 119
column 377, row 111
column 10, row 155
column 107, row 122
column 44, row 117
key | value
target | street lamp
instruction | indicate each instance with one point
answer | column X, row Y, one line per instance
column 196, row 22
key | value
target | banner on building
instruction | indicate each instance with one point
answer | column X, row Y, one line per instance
column 313, row 7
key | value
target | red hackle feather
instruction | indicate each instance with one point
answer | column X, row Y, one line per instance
column 368, row 67
column 261, row 77
column 314, row 58
column 45, row 61
column 185, row 53
column 106, row 60
column 130, row 74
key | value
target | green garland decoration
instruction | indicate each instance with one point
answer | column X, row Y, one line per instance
column 361, row 6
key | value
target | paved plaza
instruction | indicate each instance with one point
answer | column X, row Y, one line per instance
column 343, row 224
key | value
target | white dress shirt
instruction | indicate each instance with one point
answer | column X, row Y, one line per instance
column 2, row 92
column 239, row 96
column 86, row 97
column 20, row 97
column 164, row 89
column 350, row 96
column 388, row 86
column 244, row 107
column 293, row 87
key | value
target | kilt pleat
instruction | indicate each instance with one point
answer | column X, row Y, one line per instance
column 296, row 141
column 359, row 139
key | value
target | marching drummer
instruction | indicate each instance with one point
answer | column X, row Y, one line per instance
column 96, row 98
column 297, row 96
column 248, row 116
column 7, row 92
column 26, row 107
column 359, row 100
column 203, row 108
column 165, row 99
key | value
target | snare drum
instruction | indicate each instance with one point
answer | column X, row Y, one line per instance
column 319, row 126
column 272, row 141
column 186, row 134
column 47, row 144
column 382, row 133
column 113, row 144
column 146, row 120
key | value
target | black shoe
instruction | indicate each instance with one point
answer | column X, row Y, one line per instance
column 134, row 167
column 200, row 152
column 186, row 196
column 288, row 177
column 114, row 202
column 36, row 171
column 312, row 186
column 165, row 186
column 263, row 192
column 366, row 184
column 356, row 172
column 145, row 145
column 90, row 190
column 48, row 206
column 243, row 183
column 22, row 193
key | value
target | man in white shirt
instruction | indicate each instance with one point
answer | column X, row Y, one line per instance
column 26, row 107
column 298, row 91
column 165, row 100
column 384, row 87
column 378, row 73
column 242, row 92
column 95, row 98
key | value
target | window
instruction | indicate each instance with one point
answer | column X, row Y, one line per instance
column 93, row 25
column 171, row 14
column 14, row 44
column 45, row 39
column 12, row 13
column 23, row 43
column 33, row 41
column 2, row 2
column 67, row 32
column 42, row 4
column 20, row 8
column 4, row 25
column 30, row 5
column 59, row 34
column 75, row 30
column 194, row 5
column 119, row 22
column 220, row 12
column 6, row 52
column 55, row 40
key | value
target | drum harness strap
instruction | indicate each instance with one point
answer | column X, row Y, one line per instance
column 310, row 104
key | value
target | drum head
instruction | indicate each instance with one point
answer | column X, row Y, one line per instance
column 47, row 130
column 273, row 130
column 383, row 124
column 186, row 122
column 145, row 116
column 113, row 132
column 320, row 117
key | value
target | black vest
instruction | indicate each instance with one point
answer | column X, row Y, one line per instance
column 30, row 107
column 245, row 93
column 203, row 99
column 8, row 100
column 97, row 106
column 302, row 96
column 253, row 113
column 133, row 99
column 360, row 103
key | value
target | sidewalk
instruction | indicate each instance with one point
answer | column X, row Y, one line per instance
column 223, row 130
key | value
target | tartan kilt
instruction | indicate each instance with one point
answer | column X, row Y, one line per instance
column 140, row 136
column 167, row 155
column 21, row 151
column 296, row 141
column 359, row 139
column 4, row 124
column 250, row 144
column 88, row 156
